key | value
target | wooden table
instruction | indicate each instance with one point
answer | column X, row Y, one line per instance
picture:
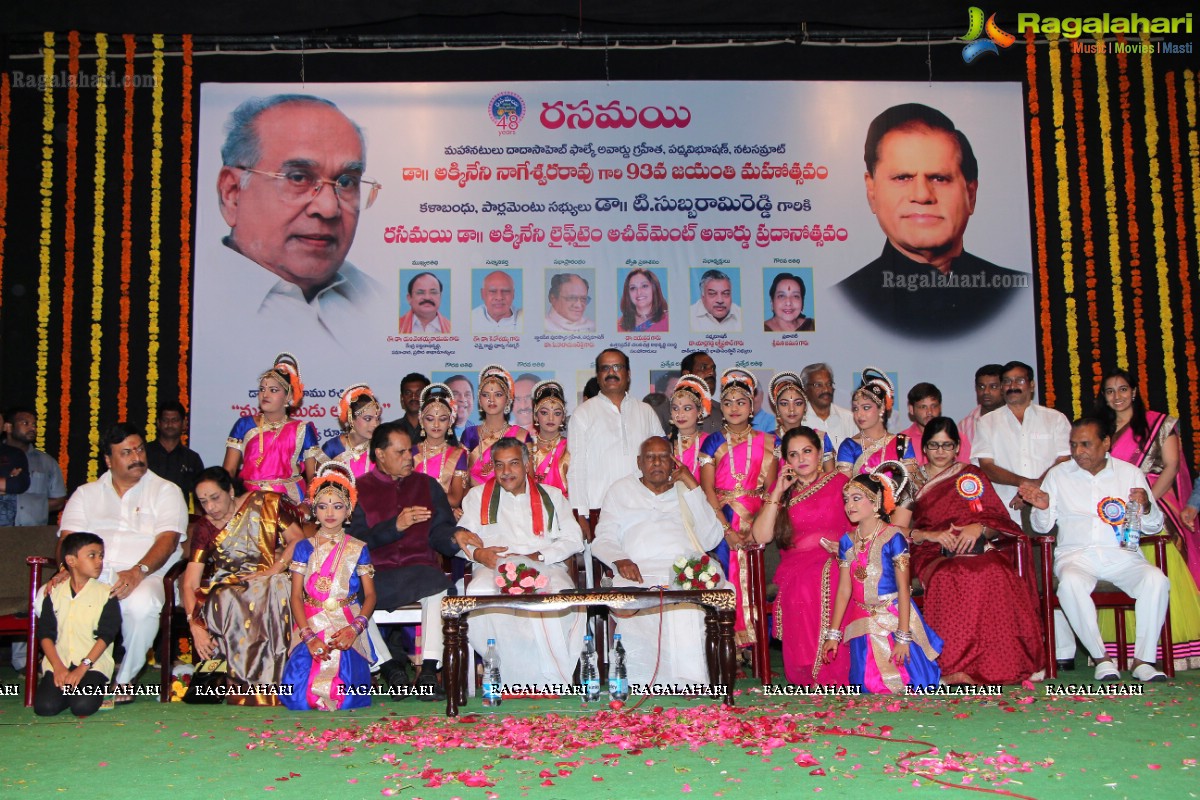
column 718, row 605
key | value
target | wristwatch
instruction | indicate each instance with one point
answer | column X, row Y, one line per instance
column 145, row 570
column 87, row 662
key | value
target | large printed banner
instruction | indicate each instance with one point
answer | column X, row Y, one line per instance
column 533, row 224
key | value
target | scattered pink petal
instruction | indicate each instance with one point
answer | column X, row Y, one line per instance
column 687, row 787
column 352, row 780
column 818, row 772
column 547, row 782
column 1103, row 718
column 1154, row 766
column 389, row 792
column 103, row 764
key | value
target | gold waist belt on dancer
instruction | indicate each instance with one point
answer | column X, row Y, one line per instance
column 274, row 482
column 332, row 604
column 880, row 607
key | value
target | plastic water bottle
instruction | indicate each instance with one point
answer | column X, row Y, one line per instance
column 618, row 677
column 1131, row 535
column 491, row 675
column 589, row 671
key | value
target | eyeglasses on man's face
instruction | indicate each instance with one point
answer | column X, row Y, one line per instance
column 303, row 186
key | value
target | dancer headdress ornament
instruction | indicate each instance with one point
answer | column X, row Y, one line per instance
column 697, row 390
column 350, row 395
column 335, row 477
column 738, row 380
column 876, row 385
column 286, row 370
column 781, row 383
column 439, row 393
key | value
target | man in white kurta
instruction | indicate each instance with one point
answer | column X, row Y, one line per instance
column 606, row 432
column 1075, row 494
column 648, row 523
column 535, row 649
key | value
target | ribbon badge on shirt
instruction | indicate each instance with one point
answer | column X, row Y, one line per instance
column 1112, row 511
column 970, row 488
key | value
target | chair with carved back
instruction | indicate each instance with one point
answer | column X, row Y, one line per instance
column 28, row 563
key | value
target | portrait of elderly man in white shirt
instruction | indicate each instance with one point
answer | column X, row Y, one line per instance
column 1085, row 497
column 518, row 520
column 291, row 188
column 715, row 311
column 496, row 314
column 647, row 523
column 569, row 298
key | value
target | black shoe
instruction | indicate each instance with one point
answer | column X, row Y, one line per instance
column 428, row 678
column 395, row 673
column 1066, row 665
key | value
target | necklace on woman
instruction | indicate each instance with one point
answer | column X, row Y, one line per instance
column 734, row 439
column 862, row 545
column 324, row 581
column 263, row 427
column 684, row 444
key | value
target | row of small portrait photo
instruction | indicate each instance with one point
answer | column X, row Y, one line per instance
column 568, row 301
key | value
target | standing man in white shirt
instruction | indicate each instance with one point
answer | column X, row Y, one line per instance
column 989, row 397
column 142, row 519
column 1017, row 445
column 822, row 414
column 1086, row 497
column 521, row 521
column 606, row 433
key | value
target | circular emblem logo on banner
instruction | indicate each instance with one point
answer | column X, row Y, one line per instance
column 507, row 109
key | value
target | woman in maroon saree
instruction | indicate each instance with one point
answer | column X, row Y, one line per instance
column 804, row 508
column 984, row 611
column 1150, row 441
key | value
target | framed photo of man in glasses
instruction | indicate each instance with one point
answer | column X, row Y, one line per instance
column 570, row 302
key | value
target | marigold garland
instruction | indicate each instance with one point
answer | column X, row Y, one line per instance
column 1166, row 316
column 1085, row 216
column 156, row 112
column 1131, row 228
column 126, row 236
column 1189, row 98
column 185, row 222
column 1116, row 280
column 47, row 192
column 5, row 112
column 1039, row 215
column 1066, row 233
column 68, row 298
column 97, row 309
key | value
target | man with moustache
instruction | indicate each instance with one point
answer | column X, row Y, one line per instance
column 701, row 365
column 291, row 189
column 167, row 456
column 404, row 517
column 1017, row 445
column 1078, row 496
column 523, row 400
column 496, row 313
column 989, row 396
column 715, row 311
column 822, row 414
column 924, row 403
column 640, row 535
column 142, row 519
column 606, row 433
column 411, row 386
column 520, row 521
column 424, row 306
column 921, row 182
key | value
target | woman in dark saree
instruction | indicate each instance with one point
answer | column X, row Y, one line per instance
column 235, row 588
column 986, row 614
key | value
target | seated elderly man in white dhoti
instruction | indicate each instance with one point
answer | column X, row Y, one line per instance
column 645, row 525
column 520, row 521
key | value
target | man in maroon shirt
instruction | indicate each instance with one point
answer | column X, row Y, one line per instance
column 404, row 516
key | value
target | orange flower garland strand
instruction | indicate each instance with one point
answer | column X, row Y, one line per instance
column 126, row 236
column 1189, row 94
column 1085, row 216
column 1181, row 235
column 156, row 112
column 1039, row 215
column 97, row 306
column 47, row 192
column 1115, row 279
column 185, row 223
column 1166, row 315
column 1066, row 234
column 68, row 296
column 1132, row 229
column 5, row 112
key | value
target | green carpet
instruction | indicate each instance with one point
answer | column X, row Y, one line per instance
column 1023, row 743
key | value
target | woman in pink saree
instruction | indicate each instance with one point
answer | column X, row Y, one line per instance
column 270, row 450
column 805, row 515
column 737, row 466
column 1150, row 441
column 691, row 404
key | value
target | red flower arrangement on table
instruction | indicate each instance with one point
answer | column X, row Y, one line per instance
column 697, row 573
column 520, row 579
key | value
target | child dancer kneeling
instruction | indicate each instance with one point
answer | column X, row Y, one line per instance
column 77, row 625
column 330, row 666
column 873, row 594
